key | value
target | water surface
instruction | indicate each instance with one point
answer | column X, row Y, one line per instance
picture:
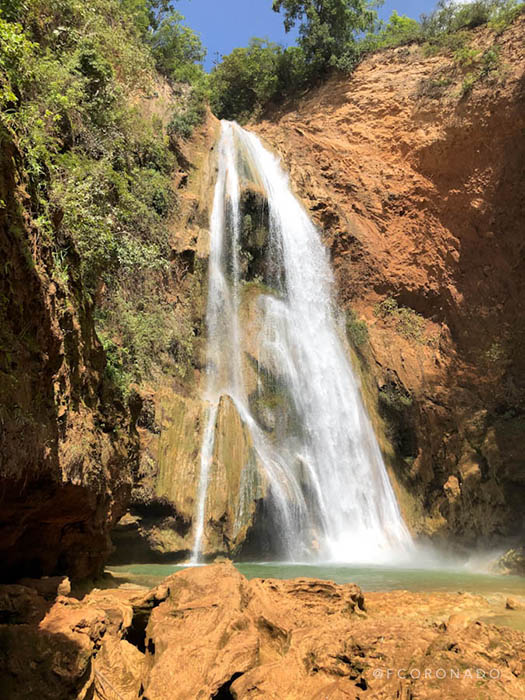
column 370, row 578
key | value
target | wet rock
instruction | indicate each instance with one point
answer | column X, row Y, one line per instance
column 512, row 562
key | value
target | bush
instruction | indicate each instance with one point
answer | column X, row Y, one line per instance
column 191, row 112
column 480, row 65
column 395, row 397
column 450, row 17
column 467, row 56
column 399, row 31
column 406, row 321
column 356, row 330
column 504, row 15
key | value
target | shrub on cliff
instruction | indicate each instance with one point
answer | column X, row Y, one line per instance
column 399, row 30
column 450, row 16
column 356, row 329
column 406, row 321
column 245, row 79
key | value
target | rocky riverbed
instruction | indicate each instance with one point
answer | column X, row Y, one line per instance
column 208, row 632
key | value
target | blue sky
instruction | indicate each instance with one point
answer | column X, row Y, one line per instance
column 226, row 24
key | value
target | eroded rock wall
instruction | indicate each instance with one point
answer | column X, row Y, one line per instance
column 417, row 185
column 67, row 443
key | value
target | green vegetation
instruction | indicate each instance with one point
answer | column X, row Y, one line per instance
column 406, row 321
column 399, row 31
column 396, row 408
column 336, row 35
column 247, row 79
column 250, row 78
column 97, row 165
column 480, row 65
column 395, row 397
column 446, row 30
column 450, row 17
column 496, row 355
column 356, row 329
column 435, row 87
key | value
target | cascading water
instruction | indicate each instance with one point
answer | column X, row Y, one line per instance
column 327, row 487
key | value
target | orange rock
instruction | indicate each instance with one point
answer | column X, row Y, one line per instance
column 207, row 632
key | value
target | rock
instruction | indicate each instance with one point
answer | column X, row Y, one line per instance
column 246, row 621
column 21, row 605
column 154, row 532
column 208, row 632
column 457, row 621
column 452, row 488
column 118, row 670
column 159, row 528
column 208, row 604
column 64, row 479
column 513, row 603
column 69, row 649
column 49, row 587
column 117, row 607
column 52, row 658
column 512, row 562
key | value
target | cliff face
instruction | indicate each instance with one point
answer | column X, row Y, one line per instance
column 414, row 169
column 67, row 444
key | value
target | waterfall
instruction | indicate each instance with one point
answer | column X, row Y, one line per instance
column 327, row 487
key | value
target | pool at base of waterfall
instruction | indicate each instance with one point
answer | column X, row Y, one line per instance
column 369, row 578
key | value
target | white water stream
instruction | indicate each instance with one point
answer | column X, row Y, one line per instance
column 328, row 488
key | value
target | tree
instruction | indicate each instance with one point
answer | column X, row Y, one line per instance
column 399, row 30
column 245, row 79
column 328, row 29
column 249, row 78
column 147, row 14
column 177, row 49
